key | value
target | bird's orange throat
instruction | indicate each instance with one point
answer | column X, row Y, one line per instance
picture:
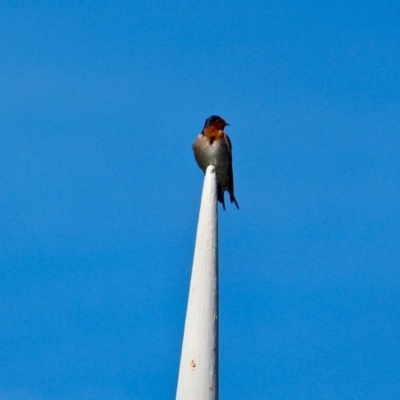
column 213, row 134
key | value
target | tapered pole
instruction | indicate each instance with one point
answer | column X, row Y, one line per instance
column 198, row 372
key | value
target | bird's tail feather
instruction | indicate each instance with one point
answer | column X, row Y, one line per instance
column 233, row 200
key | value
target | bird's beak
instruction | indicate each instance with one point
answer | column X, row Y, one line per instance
column 227, row 124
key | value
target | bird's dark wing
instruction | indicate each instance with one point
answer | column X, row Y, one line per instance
column 229, row 143
column 231, row 188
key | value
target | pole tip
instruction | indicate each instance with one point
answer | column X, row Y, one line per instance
column 210, row 169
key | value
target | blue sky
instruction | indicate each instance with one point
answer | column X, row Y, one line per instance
column 100, row 102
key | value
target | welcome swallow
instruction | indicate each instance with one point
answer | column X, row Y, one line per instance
column 213, row 147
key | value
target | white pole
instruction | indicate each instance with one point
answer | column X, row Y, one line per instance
column 198, row 371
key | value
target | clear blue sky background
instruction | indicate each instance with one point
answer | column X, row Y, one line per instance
column 99, row 104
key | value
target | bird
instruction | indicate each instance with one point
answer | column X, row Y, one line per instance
column 213, row 147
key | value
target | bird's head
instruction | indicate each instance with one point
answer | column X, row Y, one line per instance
column 215, row 121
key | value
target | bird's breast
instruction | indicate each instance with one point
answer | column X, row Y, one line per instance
column 211, row 152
